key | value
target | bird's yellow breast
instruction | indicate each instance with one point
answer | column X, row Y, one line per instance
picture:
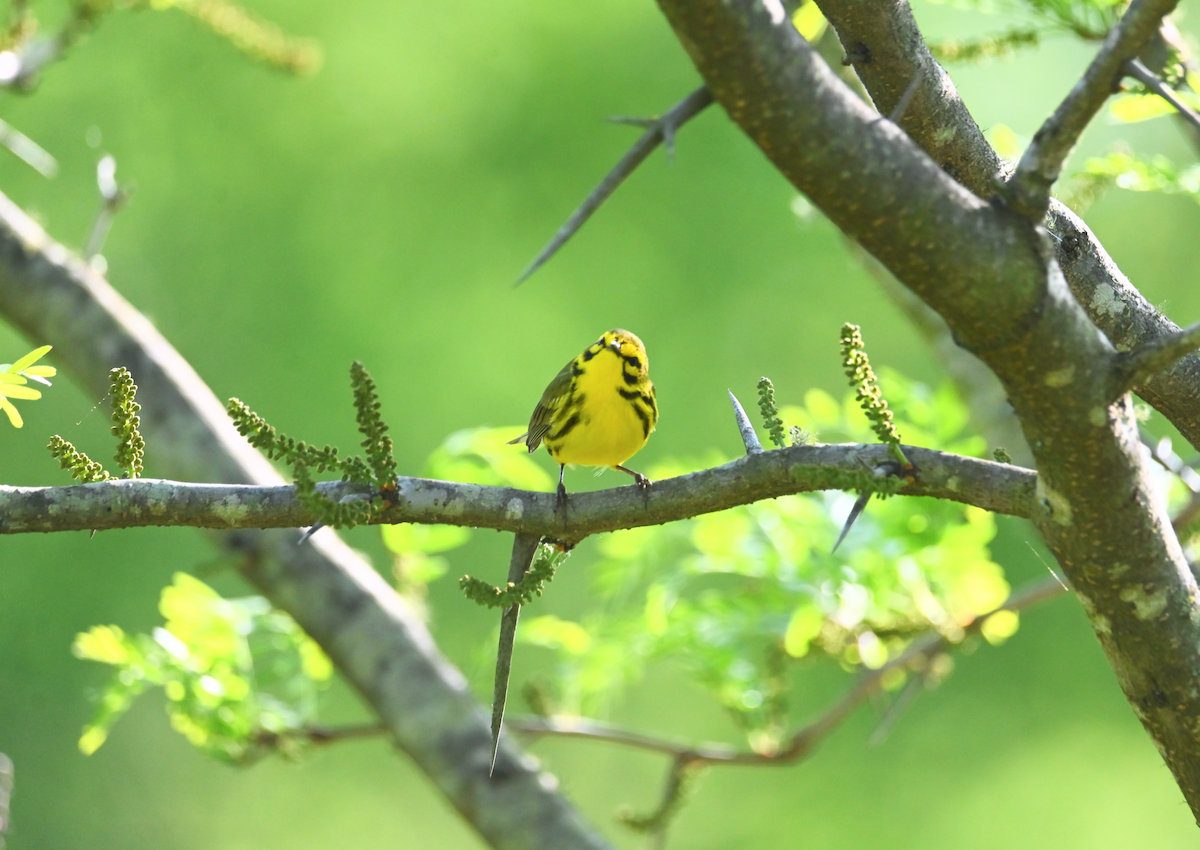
column 608, row 429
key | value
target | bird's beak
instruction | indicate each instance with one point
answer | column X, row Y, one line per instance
column 615, row 345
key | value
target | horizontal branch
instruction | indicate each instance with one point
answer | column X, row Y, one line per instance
column 998, row 487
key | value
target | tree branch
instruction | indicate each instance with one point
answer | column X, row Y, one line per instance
column 1150, row 80
column 1156, row 355
column 998, row 487
column 381, row 646
column 991, row 276
column 888, row 48
column 1029, row 189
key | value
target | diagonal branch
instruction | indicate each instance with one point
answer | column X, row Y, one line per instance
column 1029, row 189
column 940, row 123
column 657, row 132
column 1150, row 80
column 998, row 487
column 378, row 644
column 992, row 277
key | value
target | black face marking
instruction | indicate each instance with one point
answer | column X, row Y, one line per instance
column 590, row 353
column 629, row 379
column 629, row 394
column 632, row 361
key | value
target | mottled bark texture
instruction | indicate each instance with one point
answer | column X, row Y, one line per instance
column 992, row 276
column 992, row 486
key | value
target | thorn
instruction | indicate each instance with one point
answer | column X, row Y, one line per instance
column 311, row 531
column 657, row 131
column 524, row 547
column 749, row 438
column 855, row 513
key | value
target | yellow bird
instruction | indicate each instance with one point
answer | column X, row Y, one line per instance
column 599, row 410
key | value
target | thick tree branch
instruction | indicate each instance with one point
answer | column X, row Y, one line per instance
column 379, row 645
column 993, row 279
column 887, row 48
column 998, row 487
column 1029, row 189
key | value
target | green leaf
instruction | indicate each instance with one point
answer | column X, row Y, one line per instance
column 551, row 632
column 409, row 537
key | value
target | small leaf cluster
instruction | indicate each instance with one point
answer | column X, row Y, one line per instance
column 1089, row 20
column 744, row 600
column 866, row 390
column 14, row 380
column 377, row 472
column 1125, row 170
column 256, row 37
column 131, row 447
column 82, row 467
column 770, row 413
column 240, row 678
column 1001, row 46
column 545, row 562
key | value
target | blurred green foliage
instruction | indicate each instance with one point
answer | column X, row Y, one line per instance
column 240, row 678
column 378, row 210
column 737, row 598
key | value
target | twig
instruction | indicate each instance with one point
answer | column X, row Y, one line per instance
column 1137, row 366
column 323, row 735
column 524, row 548
column 802, row 743
column 1150, row 80
column 112, row 198
column 745, row 428
column 27, row 150
column 1002, row 488
column 1029, row 189
column 657, row 131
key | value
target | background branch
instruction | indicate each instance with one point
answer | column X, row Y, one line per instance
column 376, row 641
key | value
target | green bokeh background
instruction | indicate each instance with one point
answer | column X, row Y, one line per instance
column 380, row 210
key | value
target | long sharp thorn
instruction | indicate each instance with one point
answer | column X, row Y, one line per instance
column 524, row 547
column 749, row 437
column 855, row 513
column 656, row 133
